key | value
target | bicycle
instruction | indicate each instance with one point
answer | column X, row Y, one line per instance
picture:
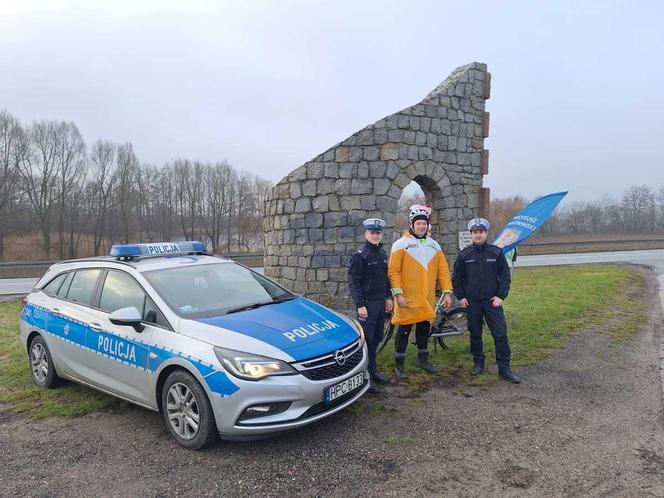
column 447, row 323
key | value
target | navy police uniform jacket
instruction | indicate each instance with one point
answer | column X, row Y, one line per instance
column 481, row 272
column 367, row 275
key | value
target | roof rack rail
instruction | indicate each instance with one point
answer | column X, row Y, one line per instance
column 101, row 259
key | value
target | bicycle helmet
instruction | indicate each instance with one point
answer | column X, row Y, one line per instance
column 419, row 212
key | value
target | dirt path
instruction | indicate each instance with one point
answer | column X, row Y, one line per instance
column 587, row 421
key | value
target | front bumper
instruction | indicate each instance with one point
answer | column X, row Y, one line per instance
column 307, row 399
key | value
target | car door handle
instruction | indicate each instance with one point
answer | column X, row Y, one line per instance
column 57, row 312
column 94, row 326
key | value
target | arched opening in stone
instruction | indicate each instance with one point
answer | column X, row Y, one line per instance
column 411, row 194
column 421, row 190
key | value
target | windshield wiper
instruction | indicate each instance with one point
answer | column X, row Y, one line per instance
column 282, row 299
column 258, row 305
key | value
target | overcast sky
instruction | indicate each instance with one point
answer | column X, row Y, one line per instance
column 577, row 100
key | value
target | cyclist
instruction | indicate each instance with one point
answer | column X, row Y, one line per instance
column 370, row 290
column 481, row 283
column 416, row 262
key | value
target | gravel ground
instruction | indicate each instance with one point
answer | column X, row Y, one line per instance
column 587, row 421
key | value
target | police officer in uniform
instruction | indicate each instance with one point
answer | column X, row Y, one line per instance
column 481, row 281
column 370, row 289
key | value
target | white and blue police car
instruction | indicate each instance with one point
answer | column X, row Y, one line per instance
column 219, row 349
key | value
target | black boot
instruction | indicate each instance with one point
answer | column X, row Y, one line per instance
column 379, row 378
column 478, row 369
column 423, row 362
column 400, row 369
column 509, row 377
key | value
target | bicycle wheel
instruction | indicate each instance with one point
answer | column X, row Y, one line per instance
column 452, row 323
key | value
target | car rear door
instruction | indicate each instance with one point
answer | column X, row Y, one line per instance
column 68, row 318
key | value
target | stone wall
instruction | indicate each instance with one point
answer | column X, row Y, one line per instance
column 313, row 217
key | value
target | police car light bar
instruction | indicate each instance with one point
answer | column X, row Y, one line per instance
column 130, row 251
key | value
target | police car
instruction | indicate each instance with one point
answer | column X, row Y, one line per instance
column 217, row 348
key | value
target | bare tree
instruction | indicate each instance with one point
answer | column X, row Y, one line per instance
column 78, row 215
column 127, row 164
column 70, row 155
column 50, row 181
column 659, row 202
column 215, row 183
column 13, row 149
column 231, row 202
column 102, row 181
column 638, row 204
column 39, row 175
column 166, row 202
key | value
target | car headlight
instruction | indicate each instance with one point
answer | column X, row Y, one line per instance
column 360, row 330
column 250, row 366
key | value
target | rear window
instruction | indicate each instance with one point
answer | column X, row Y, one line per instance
column 64, row 288
column 53, row 286
column 83, row 285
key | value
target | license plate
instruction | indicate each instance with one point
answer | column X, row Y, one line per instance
column 344, row 387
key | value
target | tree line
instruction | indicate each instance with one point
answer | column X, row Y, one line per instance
column 639, row 210
column 53, row 183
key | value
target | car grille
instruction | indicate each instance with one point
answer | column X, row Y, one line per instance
column 326, row 367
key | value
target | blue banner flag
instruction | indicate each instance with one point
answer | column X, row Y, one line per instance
column 527, row 221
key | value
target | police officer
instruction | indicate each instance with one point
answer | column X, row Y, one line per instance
column 370, row 289
column 481, row 281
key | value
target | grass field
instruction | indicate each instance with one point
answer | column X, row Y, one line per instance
column 20, row 394
column 546, row 306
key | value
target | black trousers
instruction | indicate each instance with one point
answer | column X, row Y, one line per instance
column 479, row 311
column 421, row 338
column 373, row 329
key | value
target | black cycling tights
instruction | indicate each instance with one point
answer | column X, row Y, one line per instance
column 421, row 337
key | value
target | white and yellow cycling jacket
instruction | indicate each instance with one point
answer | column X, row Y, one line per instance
column 414, row 266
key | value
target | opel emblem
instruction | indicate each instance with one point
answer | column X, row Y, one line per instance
column 340, row 357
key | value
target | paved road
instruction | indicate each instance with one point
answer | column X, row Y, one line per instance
column 651, row 257
column 9, row 286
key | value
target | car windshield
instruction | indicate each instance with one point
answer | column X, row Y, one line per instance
column 214, row 289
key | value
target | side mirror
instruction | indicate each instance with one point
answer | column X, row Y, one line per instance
column 130, row 317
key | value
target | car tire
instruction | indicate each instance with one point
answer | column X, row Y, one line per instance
column 41, row 363
column 187, row 411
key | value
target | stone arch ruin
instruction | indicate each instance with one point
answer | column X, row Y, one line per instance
column 313, row 217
